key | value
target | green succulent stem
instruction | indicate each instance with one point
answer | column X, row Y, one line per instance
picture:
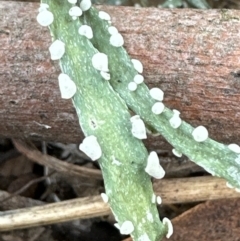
column 214, row 157
column 103, row 113
column 103, row 108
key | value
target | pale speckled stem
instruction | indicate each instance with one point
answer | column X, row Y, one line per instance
column 104, row 114
column 214, row 157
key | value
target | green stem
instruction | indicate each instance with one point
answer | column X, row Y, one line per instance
column 103, row 114
column 214, row 157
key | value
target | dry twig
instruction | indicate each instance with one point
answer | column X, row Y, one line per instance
column 54, row 163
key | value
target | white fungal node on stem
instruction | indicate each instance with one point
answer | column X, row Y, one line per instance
column 67, row 86
column 57, row 49
column 138, row 127
column 235, row 148
column 100, row 62
column 159, row 200
column 158, row 108
column 132, row 86
column 176, row 153
column 105, row 75
column 103, row 15
column 153, row 167
column 237, row 189
column 153, row 198
column 137, row 65
column 229, row 185
column 117, row 225
column 200, row 134
column 127, row 228
column 75, row 12
column 45, row 17
column 112, row 30
column 43, row 6
column 85, row 5
column 72, row 1
column 175, row 121
column 104, row 197
column 91, row 147
column 138, row 79
column 169, row 225
column 156, row 94
column 116, row 40
column 86, row 31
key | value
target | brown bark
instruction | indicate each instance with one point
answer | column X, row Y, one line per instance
column 193, row 55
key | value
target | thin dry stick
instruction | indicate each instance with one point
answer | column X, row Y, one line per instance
column 54, row 163
column 26, row 186
column 194, row 189
column 177, row 190
column 53, row 213
column 17, row 202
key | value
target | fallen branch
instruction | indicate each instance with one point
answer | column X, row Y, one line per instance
column 53, row 213
column 183, row 51
column 172, row 191
column 194, row 189
column 54, row 163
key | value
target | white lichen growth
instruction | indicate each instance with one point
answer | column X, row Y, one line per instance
column 100, row 62
column 229, row 185
column 43, row 7
column 138, row 79
column 86, row 31
column 72, row 1
column 153, row 199
column 200, row 134
column 153, row 167
column 85, row 5
column 158, row 108
column 117, row 225
column 138, row 127
column 137, row 65
column 75, row 12
column 116, row 40
column 156, row 94
column 127, row 228
column 57, row 49
column 235, row 148
column 103, row 15
column 175, row 121
column 105, row 75
column 237, row 189
column 112, row 30
column 91, row 147
column 169, row 225
column 132, row 86
column 104, row 197
column 176, row 153
column 67, row 86
column 159, row 200
column 45, row 17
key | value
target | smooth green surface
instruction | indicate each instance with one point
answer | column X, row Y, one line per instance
column 104, row 114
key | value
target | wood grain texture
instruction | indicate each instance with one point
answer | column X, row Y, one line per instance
column 193, row 55
column 192, row 189
column 188, row 190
